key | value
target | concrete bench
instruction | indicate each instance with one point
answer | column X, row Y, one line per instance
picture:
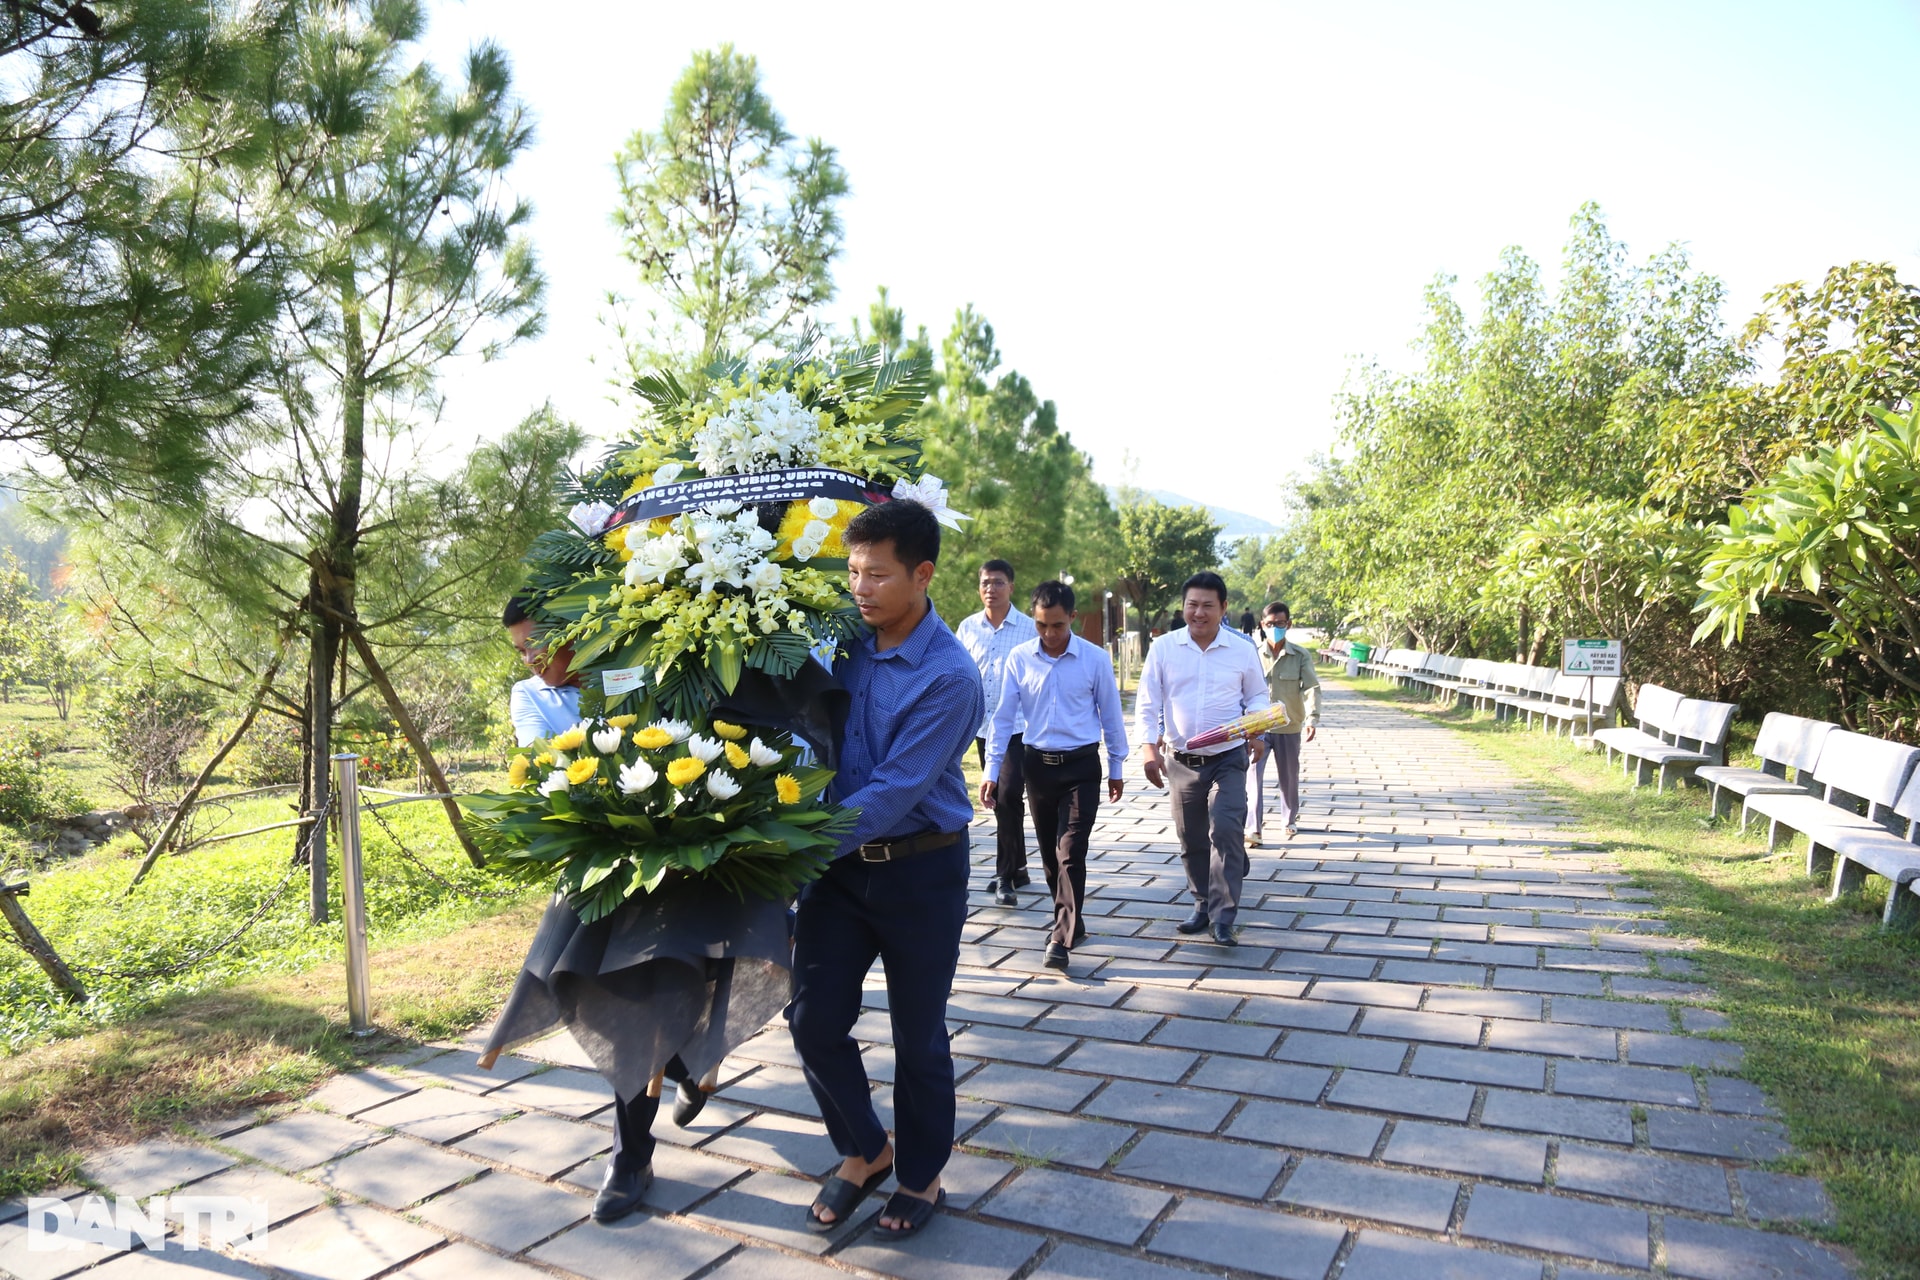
column 1785, row 743
column 1855, row 853
column 1502, row 678
column 1436, row 673
column 1388, row 664
column 1566, row 703
column 1674, row 733
column 1854, row 771
column 1528, row 684
column 1472, row 677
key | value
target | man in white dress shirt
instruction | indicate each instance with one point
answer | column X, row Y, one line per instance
column 1197, row 679
column 1062, row 688
column 990, row 635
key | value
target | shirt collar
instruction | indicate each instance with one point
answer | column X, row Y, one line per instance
column 914, row 647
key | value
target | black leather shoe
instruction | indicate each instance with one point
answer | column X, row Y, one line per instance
column 1195, row 923
column 1223, row 934
column 621, row 1192
column 691, row 1099
column 1008, row 898
column 1021, row 879
column 1057, row 956
column 993, row 887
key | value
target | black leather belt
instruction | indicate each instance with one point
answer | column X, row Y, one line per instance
column 1058, row 758
column 1194, row 760
column 907, row 846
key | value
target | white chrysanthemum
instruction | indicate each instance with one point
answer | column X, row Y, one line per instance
column 823, row 508
column 762, row 754
column 556, row 781
column 704, row 748
column 674, row 729
column 722, row 785
column 637, row 777
column 668, row 473
column 607, row 741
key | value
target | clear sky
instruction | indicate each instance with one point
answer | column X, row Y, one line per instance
column 1186, row 221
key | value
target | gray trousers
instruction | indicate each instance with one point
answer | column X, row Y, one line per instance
column 1210, row 818
column 1283, row 753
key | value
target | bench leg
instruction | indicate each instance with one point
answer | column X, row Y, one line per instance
column 1661, row 788
column 1817, row 859
column 1773, row 834
column 1903, row 907
column 1743, row 817
column 1713, row 801
column 1848, row 876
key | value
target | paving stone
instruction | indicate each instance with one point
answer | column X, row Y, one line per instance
column 1139, row 1061
column 1307, row 1128
column 1332, row 966
column 508, row 1212
column 1739, row 1097
column 302, row 1140
column 1409, row 1024
column 1679, row 1184
column 1185, row 1004
column 1382, row 1256
column 461, row 1069
column 340, row 1242
column 464, row 1262
column 1716, row 1135
column 1030, row 1047
column 1683, row 1051
column 1483, row 1066
column 1622, row 1014
column 1342, row 1051
column 1217, row 1037
column 1435, row 973
column 1078, row 1262
column 1627, row 1084
column 27, row 1263
column 681, row 1178
column 1547, row 1113
column 640, row 1245
column 1105, row 1024
column 1558, row 1224
column 1783, row 1197
column 949, row 1248
column 773, row 1207
column 977, row 1007
column 765, row 1264
column 781, row 1141
column 1709, row 1251
column 773, row 1088
column 173, row 1261
column 1492, row 1155
column 1305, row 1015
column 1358, row 1190
column 142, row 1169
column 1406, row 1095
column 1697, row 1020
column 1166, row 1106
column 1042, row 1135
column 1548, row 981
column 1488, row 1004
column 1204, row 1164
column 565, row 1090
column 1392, row 995
column 968, row 1177
column 360, row 1090
column 1262, row 1241
column 283, row 1197
column 1024, row 1086
column 1070, row 1204
column 545, row 1145
column 1556, row 1038
column 1262, row 1079
column 396, row 1173
column 437, row 1115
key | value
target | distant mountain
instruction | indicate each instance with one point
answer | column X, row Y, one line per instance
column 1233, row 524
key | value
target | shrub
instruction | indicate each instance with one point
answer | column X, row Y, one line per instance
column 269, row 754
column 30, row 789
column 148, row 725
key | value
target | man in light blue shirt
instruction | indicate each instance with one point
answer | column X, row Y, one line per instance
column 989, row 636
column 548, row 701
column 1061, row 688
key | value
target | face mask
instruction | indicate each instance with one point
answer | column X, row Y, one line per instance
column 1276, row 633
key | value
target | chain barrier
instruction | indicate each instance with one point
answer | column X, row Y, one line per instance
column 435, row 876
column 302, row 858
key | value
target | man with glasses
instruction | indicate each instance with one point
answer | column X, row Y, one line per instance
column 989, row 636
column 1291, row 681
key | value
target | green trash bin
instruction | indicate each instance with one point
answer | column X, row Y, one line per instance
column 1357, row 654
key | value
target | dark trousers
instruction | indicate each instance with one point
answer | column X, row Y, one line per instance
column 633, row 1132
column 1210, row 818
column 906, row 914
column 1009, row 812
column 1283, row 753
column 1065, row 800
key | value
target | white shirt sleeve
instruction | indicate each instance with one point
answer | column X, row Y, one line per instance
column 1148, row 715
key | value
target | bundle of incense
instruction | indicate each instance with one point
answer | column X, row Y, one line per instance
column 1251, row 725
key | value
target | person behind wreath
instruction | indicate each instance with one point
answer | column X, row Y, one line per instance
column 1062, row 689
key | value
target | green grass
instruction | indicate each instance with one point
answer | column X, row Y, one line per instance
column 1826, row 1003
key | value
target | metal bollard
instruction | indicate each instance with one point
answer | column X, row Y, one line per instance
column 353, row 889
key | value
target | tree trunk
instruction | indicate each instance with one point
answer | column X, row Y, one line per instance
column 422, row 751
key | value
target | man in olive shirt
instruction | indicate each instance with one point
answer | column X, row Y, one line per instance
column 1291, row 682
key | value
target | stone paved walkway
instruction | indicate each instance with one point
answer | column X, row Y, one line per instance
column 1451, row 1044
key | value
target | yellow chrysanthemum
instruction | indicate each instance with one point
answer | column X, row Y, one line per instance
column 651, row 739
column 581, row 770
column 623, row 722
column 517, row 771
column 544, row 759
column 787, row 787
column 731, row 732
column 681, row 772
column 616, row 542
column 737, row 755
column 572, row 740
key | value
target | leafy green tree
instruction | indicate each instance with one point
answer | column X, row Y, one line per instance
column 18, row 624
column 1160, row 547
column 731, row 221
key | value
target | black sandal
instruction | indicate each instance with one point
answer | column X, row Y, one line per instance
column 839, row 1197
column 916, row 1212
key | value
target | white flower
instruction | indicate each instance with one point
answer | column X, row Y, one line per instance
column 758, row 432
column 805, row 550
column 722, row 786
column 590, row 518
column 764, row 578
column 556, row 781
column 675, row 729
column 823, row 508
column 668, row 473
column 637, row 777
column 607, row 741
column 704, row 748
column 561, row 759
column 655, row 559
column 816, row 530
column 762, row 754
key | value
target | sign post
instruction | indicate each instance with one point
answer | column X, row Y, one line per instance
column 1591, row 658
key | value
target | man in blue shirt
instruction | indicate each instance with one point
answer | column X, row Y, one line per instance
column 1062, row 689
column 897, row 889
